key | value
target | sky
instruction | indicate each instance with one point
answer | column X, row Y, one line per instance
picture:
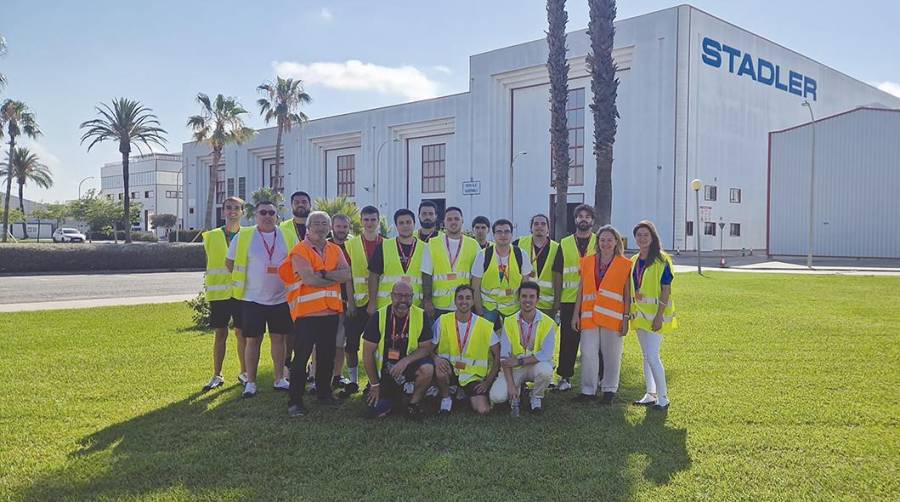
column 64, row 58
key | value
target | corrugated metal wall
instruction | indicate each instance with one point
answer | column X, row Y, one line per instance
column 857, row 186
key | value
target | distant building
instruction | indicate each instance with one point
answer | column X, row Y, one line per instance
column 154, row 182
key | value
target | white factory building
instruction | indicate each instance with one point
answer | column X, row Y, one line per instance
column 154, row 182
column 698, row 97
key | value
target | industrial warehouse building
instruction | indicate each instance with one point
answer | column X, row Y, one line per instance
column 698, row 97
column 855, row 187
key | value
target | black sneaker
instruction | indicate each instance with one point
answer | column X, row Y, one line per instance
column 296, row 410
column 349, row 390
column 414, row 412
column 584, row 398
column 608, row 398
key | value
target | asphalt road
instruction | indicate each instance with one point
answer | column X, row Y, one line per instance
column 55, row 288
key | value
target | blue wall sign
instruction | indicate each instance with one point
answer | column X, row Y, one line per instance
column 765, row 72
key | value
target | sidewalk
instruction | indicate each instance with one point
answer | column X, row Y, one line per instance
column 759, row 262
column 92, row 303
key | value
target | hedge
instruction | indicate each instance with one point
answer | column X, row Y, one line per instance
column 136, row 236
column 87, row 257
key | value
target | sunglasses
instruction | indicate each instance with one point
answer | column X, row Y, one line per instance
column 266, row 212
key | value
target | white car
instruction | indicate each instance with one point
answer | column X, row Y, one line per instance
column 68, row 235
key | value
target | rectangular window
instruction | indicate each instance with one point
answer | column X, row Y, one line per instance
column 689, row 228
column 735, row 195
column 148, row 194
column 434, row 160
column 230, row 187
column 346, row 172
column 220, row 184
column 709, row 192
column 133, row 195
column 191, row 211
column 242, row 187
column 575, row 123
column 735, row 229
column 173, row 194
column 121, row 195
column 272, row 176
column 709, row 228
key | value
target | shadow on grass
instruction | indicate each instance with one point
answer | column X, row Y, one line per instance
column 217, row 445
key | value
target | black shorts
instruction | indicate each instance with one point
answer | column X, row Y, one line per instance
column 468, row 388
column 353, row 329
column 258, row 317
column 221, row 312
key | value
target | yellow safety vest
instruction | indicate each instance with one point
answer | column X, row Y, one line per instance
column 477, row 353
column 393, row 272
column 544, row 276
column 645, row 300
column 289, row 231
column 444, row 278
column 416, row 320
column 513, row 335
column 572, row 265
column 217, row 280
column 241, row 259
column 497, row 294
column 359, row 269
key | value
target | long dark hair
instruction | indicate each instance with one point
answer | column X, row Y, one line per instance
column 655, row 251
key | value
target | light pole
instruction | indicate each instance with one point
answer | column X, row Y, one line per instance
column 696, row 185
column 79, row 185
column 512, row 191
column 378, row 156
column 178, row 197
column 812, row 182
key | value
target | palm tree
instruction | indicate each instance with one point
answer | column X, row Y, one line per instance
column 18, row 120
column 2, row 52
column 26, row 166
column 281, row 104
column 558, row 69
column 261, row 195
column 130, row 124
column 220, row 123
column 604, row 87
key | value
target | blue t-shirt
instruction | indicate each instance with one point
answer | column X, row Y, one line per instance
column 641, row 264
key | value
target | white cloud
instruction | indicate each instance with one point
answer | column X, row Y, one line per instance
column 442, row 69
column 354, row 75
column 326, row 14
column 889, row 87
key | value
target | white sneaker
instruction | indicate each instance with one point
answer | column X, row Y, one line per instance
column 408, row 388
column 242, row 378
column 282, row 384
column 563, row 385
column 214, row 383
column 249, row 390
column 536, row 404
column 432, row 391
column 647, row 400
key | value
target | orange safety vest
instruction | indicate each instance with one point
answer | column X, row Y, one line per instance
column 304, row 299
column 602, row 305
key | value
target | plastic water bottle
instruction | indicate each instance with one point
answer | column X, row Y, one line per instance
column 514, row 408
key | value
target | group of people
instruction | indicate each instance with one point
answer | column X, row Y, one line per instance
column 439, row 313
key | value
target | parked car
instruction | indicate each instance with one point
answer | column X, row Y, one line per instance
column 68, row 235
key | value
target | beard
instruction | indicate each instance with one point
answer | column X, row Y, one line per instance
column 583, row 226
column 301, row 212
column 427, row 224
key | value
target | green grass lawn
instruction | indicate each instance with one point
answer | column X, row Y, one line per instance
column 782, row 387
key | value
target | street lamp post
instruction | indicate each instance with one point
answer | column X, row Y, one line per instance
column 377, row 157
column 696, row 185
column 812, row 183
column 79, row 185
column 512, row 199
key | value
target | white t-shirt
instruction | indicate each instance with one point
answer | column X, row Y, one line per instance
column 263, row 287
column 453, row 250
column 544, row 353
column 478, row 265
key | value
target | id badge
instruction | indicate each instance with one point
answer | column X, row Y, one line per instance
column 459, row 365
column 393, row 355
column 509, row 292
column 271, row 270
column 405, row 278
column 451, row 277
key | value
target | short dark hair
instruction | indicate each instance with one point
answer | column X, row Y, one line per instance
column 583, row 207
column 301, row 193
column 428, row 203
column 463, row 287
column 453, row 208
column 539, row 215
column 403, row 212
column 263, row 203
column 369, row 210
column 501, row 221
column 529, row 285
column 481, row 220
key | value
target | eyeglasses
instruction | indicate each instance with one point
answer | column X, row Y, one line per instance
column 266, row 212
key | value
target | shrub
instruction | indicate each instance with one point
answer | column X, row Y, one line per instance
column 200, row 310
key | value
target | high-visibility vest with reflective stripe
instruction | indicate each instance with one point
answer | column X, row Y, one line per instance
column 359, row 269
column 311, row 299
column 603, row 304
column 217, row 280
column 444, row 278
column 289, row 231
column 544, row 276
column 501, row 295
column 416, row 320
column 477, row 353
column 645, row 300
column 572, row 265
column 513, row 333
column 241, row 259
column 393, row 271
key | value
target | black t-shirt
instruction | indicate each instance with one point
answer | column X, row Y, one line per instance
column 347, row 256
column 372, row 332
column 425, row 237
column 301, row 230
column 376, row 263
column 542, row 258
column 582, row 244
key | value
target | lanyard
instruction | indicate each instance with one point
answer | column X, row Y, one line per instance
column 453, row 257
column 404, row 259
column 404, row 331
column 461, row 342
column 536, row 254
column 639, row 273
column 526, row 340
column 601, row 270
column 269, row 250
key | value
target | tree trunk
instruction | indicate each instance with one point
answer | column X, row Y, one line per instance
column 12, row 146
column 211, row 193
column 604, row 87
column 22, row 209
column 558, row 69
column 126, row 217
column 278, row 162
